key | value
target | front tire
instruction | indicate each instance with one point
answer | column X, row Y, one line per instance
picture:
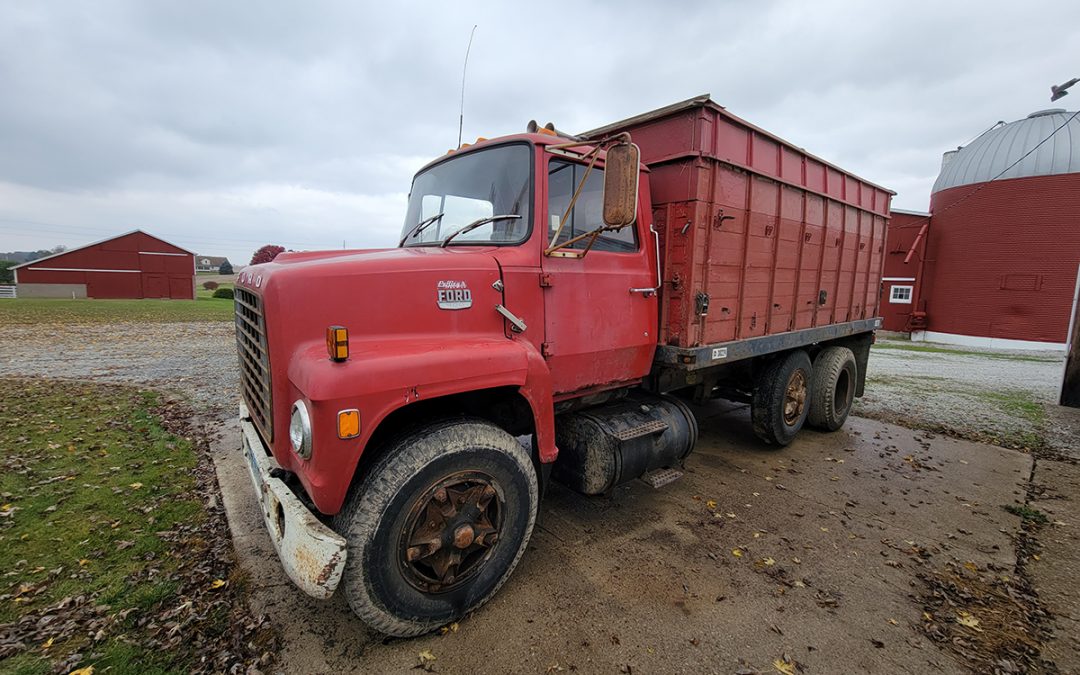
column 779, row 406
column 437, row 526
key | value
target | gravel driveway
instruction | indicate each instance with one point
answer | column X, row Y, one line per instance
column 197, row 360
column 994, row 396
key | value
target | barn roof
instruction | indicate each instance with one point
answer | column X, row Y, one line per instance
column 1052, row 137
column 95, row 243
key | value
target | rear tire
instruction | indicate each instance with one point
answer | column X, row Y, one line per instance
column 832, row 388
column 780, row 400
column 437, row 526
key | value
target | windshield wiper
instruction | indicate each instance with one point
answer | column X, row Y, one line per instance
column 475, row 224
column 419, row 227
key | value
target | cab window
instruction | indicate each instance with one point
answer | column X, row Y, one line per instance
column 587, row 214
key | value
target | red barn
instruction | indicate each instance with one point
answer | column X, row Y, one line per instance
column 900, row 277
column 132, row 265
column 997, row 263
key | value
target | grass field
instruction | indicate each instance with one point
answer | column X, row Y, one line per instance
column 41, row 310
column 95, row 497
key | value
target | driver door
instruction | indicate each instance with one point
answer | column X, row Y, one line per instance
column 600, row 326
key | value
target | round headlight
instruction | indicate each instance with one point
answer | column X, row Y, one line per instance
column 300, row 430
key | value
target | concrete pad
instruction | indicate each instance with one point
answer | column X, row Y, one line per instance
column 830, row 531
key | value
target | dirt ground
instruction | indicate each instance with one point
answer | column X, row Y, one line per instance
column 814, row 557
column 811, row 552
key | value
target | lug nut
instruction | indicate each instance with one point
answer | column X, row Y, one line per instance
column 440, row 495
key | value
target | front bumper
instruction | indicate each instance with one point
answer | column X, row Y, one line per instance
column 312, row 554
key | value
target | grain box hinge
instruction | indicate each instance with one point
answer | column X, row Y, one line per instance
column 545, row 280
column 545, row 349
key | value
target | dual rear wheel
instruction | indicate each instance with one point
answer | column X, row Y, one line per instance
column 793, row 391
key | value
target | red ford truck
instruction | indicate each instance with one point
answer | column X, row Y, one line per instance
column 552, row 305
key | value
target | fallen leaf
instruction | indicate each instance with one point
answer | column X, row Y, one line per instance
column 426, row 659
column 970, row 566
column 84, row 562
column 737, row 552
column 824, row 529
column 135, row 486
column 894, row 622
column 784, row 666
column 47, row 643
column 89, row 670
column 217, row 583
column 449, row 628
column 711, row 504
column 965, row 619
column 768, row 562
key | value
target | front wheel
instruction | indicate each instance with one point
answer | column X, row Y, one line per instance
column 779, row 406
column 437, row 526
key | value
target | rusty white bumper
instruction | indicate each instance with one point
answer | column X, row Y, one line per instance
column 312, row 554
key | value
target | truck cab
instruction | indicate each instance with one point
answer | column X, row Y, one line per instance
column 403, row 408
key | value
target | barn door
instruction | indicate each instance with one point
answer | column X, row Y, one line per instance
column 155, row 286
column 180, row 288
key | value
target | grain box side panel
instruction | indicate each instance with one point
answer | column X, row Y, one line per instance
column 728, row 218
column 810, row 266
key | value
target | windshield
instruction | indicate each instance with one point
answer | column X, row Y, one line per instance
column 460, row 191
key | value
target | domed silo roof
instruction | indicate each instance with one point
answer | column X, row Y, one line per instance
column 988, row 155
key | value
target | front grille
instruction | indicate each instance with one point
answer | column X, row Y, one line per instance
column 254, row 360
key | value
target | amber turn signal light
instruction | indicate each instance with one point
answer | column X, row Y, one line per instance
column 337, row 343
column 348, row 423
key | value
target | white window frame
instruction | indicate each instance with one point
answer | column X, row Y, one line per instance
column 901, row 301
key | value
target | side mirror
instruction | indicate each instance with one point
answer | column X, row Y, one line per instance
column 621, row 184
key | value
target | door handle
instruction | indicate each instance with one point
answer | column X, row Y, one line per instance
column 659, row 280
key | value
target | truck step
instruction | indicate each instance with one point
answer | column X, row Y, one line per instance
column 645, row 429
column 661, row 477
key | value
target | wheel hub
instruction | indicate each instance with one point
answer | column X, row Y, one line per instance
column 795, row 398
column 451, row 531
column 464, row 537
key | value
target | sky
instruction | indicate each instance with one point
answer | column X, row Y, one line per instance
column 222, row 126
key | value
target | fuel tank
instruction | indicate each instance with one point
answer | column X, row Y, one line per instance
column 616, row 442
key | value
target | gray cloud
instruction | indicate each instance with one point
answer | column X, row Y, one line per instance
column 225, row 125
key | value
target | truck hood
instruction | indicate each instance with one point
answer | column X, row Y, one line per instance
column 377, row 294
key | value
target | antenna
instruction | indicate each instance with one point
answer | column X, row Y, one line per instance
column 461, row 113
